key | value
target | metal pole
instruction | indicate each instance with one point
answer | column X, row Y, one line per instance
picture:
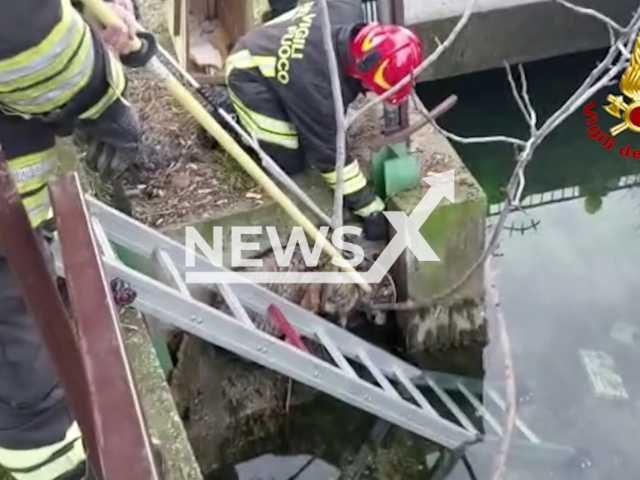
column 395, row 117
column 25, row 258
column 193, row 106
column 120, row 426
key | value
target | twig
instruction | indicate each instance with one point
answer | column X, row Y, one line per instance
column 338, row 104
column 516, row 95
column 464, row 140
column 424, row 65
column 522, row 98
column 592, row 13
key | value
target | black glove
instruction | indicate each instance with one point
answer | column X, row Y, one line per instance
column 109, row 162
column 111, row 143
column 375, row 227
column 218, row 98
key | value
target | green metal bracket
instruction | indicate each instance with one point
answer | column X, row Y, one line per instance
column 394, row 170
column 131, row 260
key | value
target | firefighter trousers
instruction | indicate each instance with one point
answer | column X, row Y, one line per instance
column 38, row 437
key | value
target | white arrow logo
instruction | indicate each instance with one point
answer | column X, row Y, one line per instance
column 407, row 236
column 408, row 228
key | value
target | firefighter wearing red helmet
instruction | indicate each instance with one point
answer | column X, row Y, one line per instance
column 278, row 85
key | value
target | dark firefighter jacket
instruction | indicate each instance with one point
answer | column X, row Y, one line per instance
column 278, row 77
column 47, row 55
column 279, row 82
column 50, row 61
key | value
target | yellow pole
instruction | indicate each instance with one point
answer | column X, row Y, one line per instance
column 193, row 106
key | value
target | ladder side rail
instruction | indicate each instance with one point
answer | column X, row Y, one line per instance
column 222, row 330
column 141, row 239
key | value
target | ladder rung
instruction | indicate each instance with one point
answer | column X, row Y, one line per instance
column 142, row 240
column 451, row 405
column 519, row 423
column 335, row 353
column 170, row 271
column 480, row 408
column 234, row 304
column 103, row 239
column 413, row 390
column 377, row 374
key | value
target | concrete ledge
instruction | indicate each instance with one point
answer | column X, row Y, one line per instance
column 163, row 422
column 510, row 30
column 455, row 231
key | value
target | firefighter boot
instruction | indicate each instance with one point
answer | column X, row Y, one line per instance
column 375, row 227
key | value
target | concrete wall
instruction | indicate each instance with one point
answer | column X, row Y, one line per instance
column 512, row 30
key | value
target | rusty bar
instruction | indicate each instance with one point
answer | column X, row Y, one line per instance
column 396, row 117
column 29, row 266
column 120, row 426
column 405, row 134
column 397, row 17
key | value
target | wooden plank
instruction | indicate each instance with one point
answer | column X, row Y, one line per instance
column 235, row 16
column 178, row 21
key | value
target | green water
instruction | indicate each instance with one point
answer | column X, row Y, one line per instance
column 568, row 285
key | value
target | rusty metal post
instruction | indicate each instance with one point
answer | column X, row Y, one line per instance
column 29, row 266
column 397, row 17
column 396, row 118
column 125, row 448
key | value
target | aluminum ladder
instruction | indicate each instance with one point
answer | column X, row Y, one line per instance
column 392, row 395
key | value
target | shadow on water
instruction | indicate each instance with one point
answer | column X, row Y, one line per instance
column 568, row 281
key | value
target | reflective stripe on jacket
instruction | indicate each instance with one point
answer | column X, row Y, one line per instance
column 30, row 174
column 48, row 74
column 288, row 57
column 56, row 60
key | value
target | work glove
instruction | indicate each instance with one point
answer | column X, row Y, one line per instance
column 111, row 164
column 105, row 159
column 375, row 227
column 218, row 98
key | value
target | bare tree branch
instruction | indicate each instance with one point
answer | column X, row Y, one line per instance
column 509, row 375
column 592, row 13
column 459, row 139
column 341, row 125
column 516, row 95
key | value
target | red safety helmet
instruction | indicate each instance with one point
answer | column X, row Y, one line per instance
column 382, row 55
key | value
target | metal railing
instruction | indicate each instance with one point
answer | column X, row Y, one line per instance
column 87, row 351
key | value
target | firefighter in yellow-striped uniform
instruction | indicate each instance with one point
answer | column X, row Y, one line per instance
column 57, row 76
column 279, row 86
